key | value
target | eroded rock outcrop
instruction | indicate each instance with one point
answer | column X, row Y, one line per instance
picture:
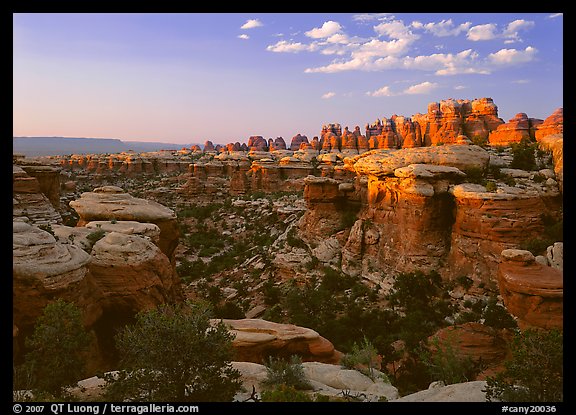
column 256, row 339
column 554, row 124
column 531, row 291
column 131, row 274
column 28, row 200
column 111, row 202
column 514, row 131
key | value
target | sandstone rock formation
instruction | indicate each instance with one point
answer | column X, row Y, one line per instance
column 472, row 340
column 29, row 202
column 459, row 392
column 111, row 202
column 131, row 274
column 531, row 291
column 554, row 124
column 256, row 339
column 43, row 268
column 517, row 129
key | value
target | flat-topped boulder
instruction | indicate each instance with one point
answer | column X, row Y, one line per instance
column 111, row 202
column 531, row 291
column 256, row 339
column 128, row 227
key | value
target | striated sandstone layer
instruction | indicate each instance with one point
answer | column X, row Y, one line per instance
column 554, row 124
column 480, row 343
column 531, row 291
column 111, row 202
column 130, row 273
column 488, row 222
column 255, row 340
column 28, row 200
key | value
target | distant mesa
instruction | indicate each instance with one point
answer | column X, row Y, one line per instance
column 53, row 146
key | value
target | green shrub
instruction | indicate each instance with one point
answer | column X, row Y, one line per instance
column 363, row 357
column 288, row 373
column 523, row 155
column 534, row 373
column 444, row 363
column 173, row 353
column 55, row 358
column 497, row 316
column 283, row 393
column 95, row 236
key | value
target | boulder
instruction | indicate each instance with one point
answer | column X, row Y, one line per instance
column 256, row 339
column 531, row 291
column 111, row 202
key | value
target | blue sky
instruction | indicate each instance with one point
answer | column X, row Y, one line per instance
column 186, row 78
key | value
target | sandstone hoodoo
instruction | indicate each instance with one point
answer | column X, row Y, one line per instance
column 371, row 254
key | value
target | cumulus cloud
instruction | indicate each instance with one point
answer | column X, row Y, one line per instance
column 382, row 92
column 392, row 41
column 370, row 17
column 443, row 28
column 251, row 24
column 482, row 32
column 328, row 29
column 396, row 29
column 244, row 36
column 512, row 56
column 329, row 95
column 511, row 32
column 422, row 88
column 286, row 46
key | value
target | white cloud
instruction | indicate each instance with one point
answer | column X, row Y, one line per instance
column 443, row 28
column 521, row 81
column 512, row 56
column 382, row 92
column 290, row 47
column 370, row 17
column 396, row 29
column 422, row 88
column 482, row 32
column 460, row 87
column 251, row 24
column 329, row 95
column 511, row 31
column 555, row 15
column 328, row 29
column 244, row 36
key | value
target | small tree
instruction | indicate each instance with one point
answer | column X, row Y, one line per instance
column 173, row 353
column 54, row 360
column 535, row 371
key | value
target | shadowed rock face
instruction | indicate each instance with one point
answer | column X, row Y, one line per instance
column 531, row 291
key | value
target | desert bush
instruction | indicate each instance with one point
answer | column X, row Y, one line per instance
column 445, row 364
column 534, row 373
column 54, row 360
column 289, row 373
column 173, row 353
